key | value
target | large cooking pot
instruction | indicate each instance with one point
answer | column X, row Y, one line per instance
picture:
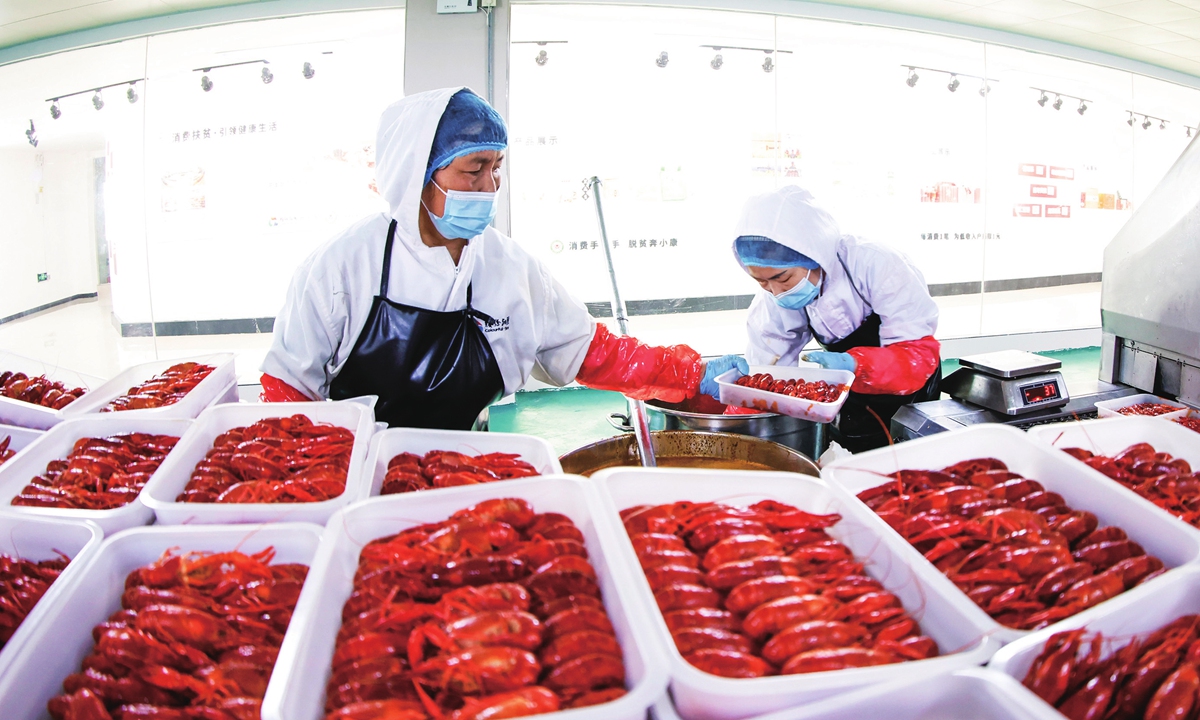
column 705, row 414
column 688, row 448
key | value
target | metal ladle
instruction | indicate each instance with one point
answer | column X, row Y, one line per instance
column 637, row 408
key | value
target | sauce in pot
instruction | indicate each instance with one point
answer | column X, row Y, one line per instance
column 695, row 461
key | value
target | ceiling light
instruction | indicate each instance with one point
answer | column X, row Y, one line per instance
column 205, row 83
column 31, row 135
column 1129, row 122
column 1189, row 131
column 1162, row 125
column 985, row 89
column 1146, row 124
column 1043, row 100
column 913, row 77
column 541, row 58
column 1082, row 108
column 54, row 111
column 131, row 94
column 267, row 75
column 716, row 62
column 1057, row 102
column 662, row 59
column 97, row 101
column 309, row 71
column 954, row 83
column 768, row 65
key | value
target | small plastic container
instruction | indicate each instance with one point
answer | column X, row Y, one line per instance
column 62, row 638
column 213, row 386
column 37, row 417
column 19, row 437
column 1173, row 542
column 37, row 539
column 1109, row 408
column 56, row 444
column 387, row 444
column 739, row 396
column 1141, row 610
column 173, row 476
column 305, row 657
column 701, row 696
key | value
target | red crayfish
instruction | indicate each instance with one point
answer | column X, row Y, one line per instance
column 275, row 460
column 817, row 391
column 443, row 468
column 1016, row 549
column 166, row 388
column 494, row 612
column 22, row 584
column 5, row 451
column 98, row 473
column 1148, row 409
column 39, row 390
column 1154, row 677
column 197, row 637
column 1189, row 422
column 1166, row 481
column 748, row 592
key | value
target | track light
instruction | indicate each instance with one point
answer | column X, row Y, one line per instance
column 716, row 62
column 1189, row 130
column 954, row 83
column 1146, row 124
column 309, row 71
column 205, row 83
column 1162, row 124
column 913, row 77
column 267, row 75
column 984, row 89
column 1057, row 102
column 97, row 101
column 1129, row 122
column 768, row 65
column 1043, row 100
column 54, row 111
column 542, row 58
column 31, row 135
column 131, row 95
column 662, row 59
column 1082, row 108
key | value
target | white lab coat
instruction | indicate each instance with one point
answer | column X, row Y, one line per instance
column 540, row 329
column 860, row 278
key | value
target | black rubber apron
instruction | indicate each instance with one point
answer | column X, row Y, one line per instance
column 430, row 369
column 856, row 429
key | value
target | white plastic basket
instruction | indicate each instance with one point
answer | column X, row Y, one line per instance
column 1173, row 542
column 701, row 696
column 387, row 444
column 37, row 539
column 20, row 438
column 176, row 471
column 734, row 394
column 57, row 443
column 29, row 415
column 208, row 390
column 57, row 645
column 305, row 657
column 1109, row 408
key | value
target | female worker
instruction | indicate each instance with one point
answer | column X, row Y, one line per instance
column 865, row 304
column 436, row 312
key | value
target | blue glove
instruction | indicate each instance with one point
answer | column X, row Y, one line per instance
column 720, row 366
column 831, row 360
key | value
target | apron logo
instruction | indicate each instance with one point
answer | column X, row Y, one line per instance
column 493, row 325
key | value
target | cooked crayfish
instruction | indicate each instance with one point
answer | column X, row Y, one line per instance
column 197, row 637
column 1017, row 550
column 494, row 612
column 275, row 460
column 5, row 451
column 98, row 473
column 39, row 390
column 1190, row 422
column 748, row 592
column 817, row 390
column 166, row 388
column 442, row 468
column 1166, row 481
column 22, row 584
column 1148, row 409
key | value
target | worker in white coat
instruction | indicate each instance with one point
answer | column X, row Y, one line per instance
column 865, row 304
column 436, row 312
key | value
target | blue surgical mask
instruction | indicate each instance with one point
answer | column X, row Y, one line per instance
column 799, row 296
column 466, row 214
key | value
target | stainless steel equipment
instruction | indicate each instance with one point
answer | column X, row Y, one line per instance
column 1012, row 382
column 690, row 449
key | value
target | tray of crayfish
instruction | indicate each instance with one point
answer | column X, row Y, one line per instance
column 91, row 468
column 408, row 459
column 265, row 462
column 484, row 599
column 180, row 388
column 808, row 393
column 763, row 594
column 1141, row 405
column 1135, row 656
column 165, row 622
column 34, row 394
column 1027, row 535
column 15, row 439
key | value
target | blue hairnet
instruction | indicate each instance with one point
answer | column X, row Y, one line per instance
column 468, row 125
column 758, row 251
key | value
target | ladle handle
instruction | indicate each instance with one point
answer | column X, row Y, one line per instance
column 620, row 422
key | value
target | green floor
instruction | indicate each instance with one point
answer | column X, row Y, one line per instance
column 573, row 417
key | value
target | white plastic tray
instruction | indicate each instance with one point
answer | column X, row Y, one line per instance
column 206, row 391
column 1140, row 610
column 176, row 471
column 698, row 695
column 387, row 444
column 1173, row 542
column 1108, row 408
column 228, row 395
column 734, row 394
column 57, row 645
column 21, row 437
column 28, row 415
column 305, row 657
column 37, row 539
column 57, row 443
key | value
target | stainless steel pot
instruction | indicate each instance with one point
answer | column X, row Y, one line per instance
column 621, row 450
column 807, row 437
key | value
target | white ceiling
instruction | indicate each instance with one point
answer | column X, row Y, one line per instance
column 1160, row 32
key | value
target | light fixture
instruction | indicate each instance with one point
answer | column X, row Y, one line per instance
column 1057, row 102
column 309, row 71
column 984, row 89
column 267, row 75
column 1162, row 124
column 768, row 65
column 1189, row 130
column 1043, row 99
column 1082, row 108
column 662, row 59
column 716, row 62
column 131, row 94
column 31, row 135
column 954, row 83
column 1146, row 124
column 913, row 77
column 97, row 101
column 1129, row 122
column 205, row 83
column 54, row 111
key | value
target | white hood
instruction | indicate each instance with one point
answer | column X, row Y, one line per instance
column 792, row 217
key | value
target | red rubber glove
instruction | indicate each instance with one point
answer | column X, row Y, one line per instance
column 639, row 371
column 899, row 369
column 276, row 390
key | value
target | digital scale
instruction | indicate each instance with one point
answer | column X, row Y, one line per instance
column 1012, row 382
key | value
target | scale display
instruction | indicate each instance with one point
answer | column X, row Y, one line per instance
column 1040, row 393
